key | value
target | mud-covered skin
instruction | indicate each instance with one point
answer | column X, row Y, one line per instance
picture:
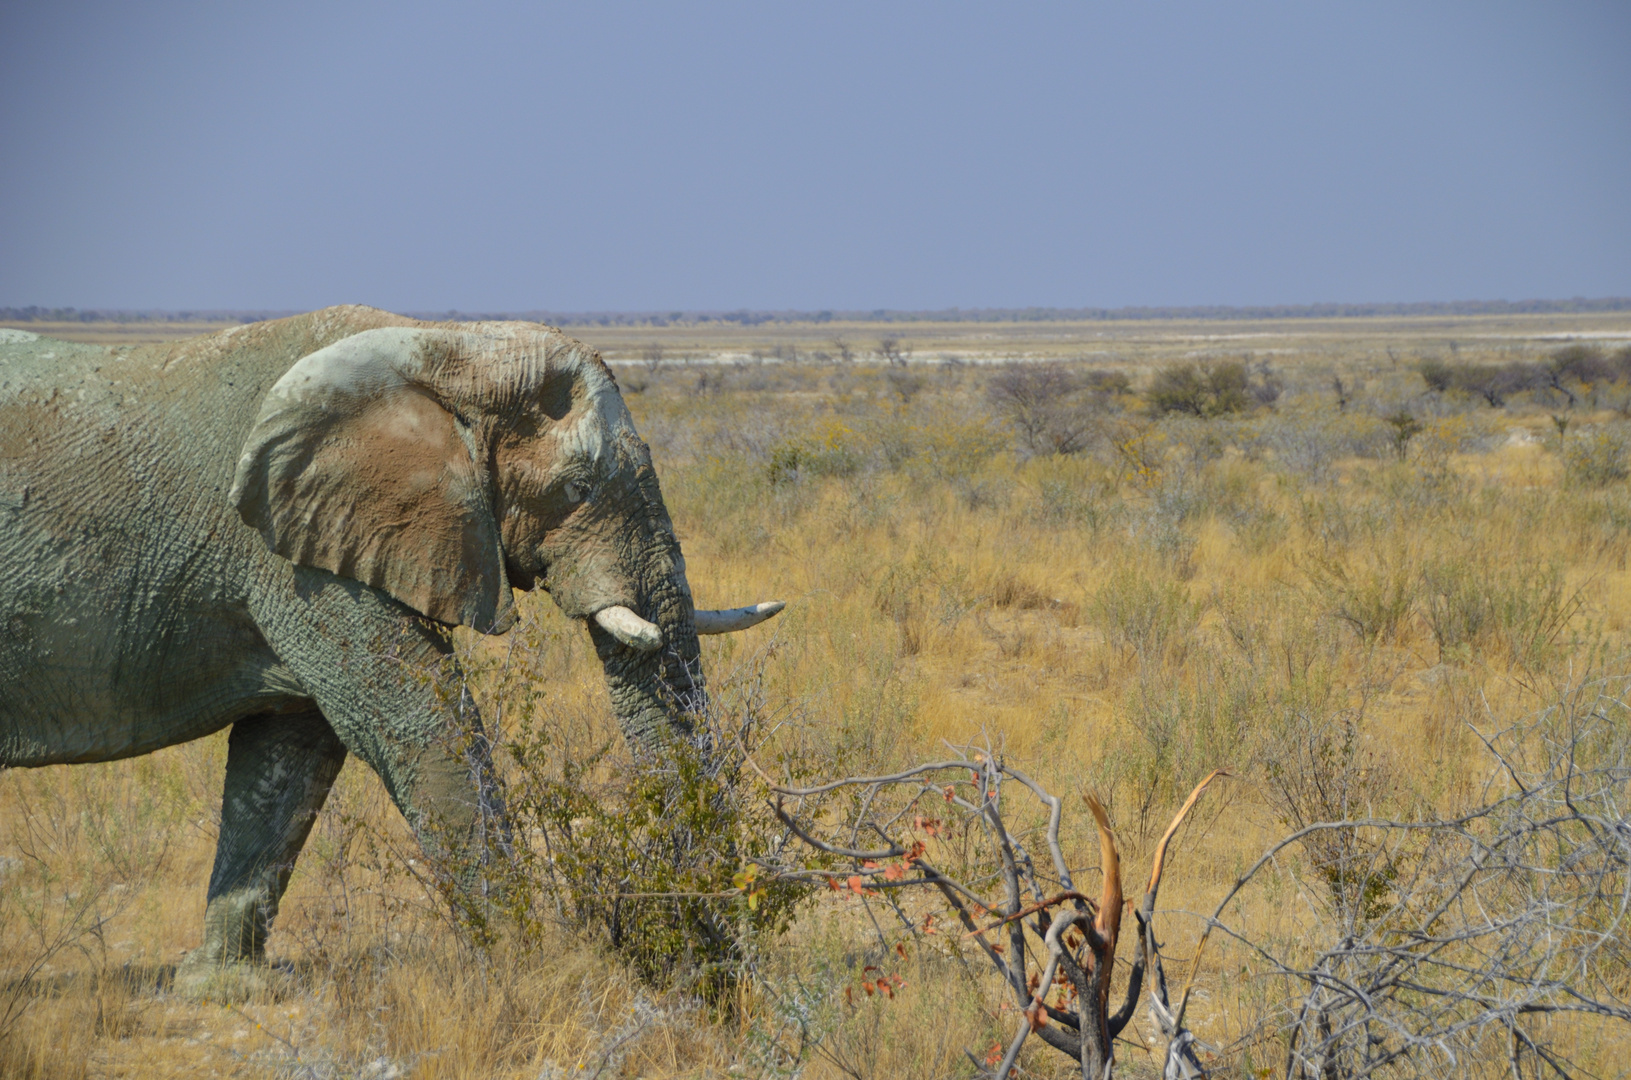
column 138, row 609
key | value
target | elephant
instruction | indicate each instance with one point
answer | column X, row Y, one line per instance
column 272, row 527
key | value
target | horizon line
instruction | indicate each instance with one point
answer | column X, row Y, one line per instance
column 743, row 317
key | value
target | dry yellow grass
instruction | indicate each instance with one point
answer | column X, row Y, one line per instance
column 1120, row 621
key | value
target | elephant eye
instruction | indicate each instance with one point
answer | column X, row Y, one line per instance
column 575, row 492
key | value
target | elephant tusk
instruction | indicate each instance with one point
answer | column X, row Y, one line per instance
column 730, row 620
column 629, row 628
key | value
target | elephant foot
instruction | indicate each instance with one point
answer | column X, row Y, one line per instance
column 232, row 982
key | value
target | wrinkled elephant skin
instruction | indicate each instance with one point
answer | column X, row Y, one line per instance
column 262, row 529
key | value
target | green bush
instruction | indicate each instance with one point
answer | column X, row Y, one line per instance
column 831, row 453
column 1438, row 375
column 1169, row 738
column 1373, row 593
column 955, row 450
column 1207, row 390
column 1142, row 615
column 1596, row 459
column 1521, row 612
column 654, row 851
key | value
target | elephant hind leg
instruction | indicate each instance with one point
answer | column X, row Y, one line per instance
column 280, row 768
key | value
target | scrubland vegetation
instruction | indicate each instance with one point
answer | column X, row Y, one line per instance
column 1375, row 584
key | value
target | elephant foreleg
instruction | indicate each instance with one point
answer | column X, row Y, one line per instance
column 279, row 771
column 385, row 680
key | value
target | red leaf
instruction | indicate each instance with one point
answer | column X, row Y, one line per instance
column 867, row 986
column 930, row 825
column 894, row 872
column 900, row 947
column 855, row 884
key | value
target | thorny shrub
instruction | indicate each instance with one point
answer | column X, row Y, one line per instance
column 650, row 849
column 1485, row 942
column 1572, row 373
column 653, row 850
column 1052, row 409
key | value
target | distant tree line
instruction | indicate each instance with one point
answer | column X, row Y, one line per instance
column 1059, row 314
column 755, row 318
column 34, row 313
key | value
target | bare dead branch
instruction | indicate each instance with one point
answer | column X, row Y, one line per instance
column 1032, row 909
column 867, row 781
column 1183, row 812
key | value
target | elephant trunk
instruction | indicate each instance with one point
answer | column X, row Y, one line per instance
column 649, row 650
column 655, row 694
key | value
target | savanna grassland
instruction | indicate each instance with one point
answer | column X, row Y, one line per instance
column 1333, row 557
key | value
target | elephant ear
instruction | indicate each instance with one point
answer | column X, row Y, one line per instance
column 356, row 466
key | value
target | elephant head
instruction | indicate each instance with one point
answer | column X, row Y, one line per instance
column 445, row 465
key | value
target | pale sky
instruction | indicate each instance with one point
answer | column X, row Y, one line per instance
column 653, row 156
